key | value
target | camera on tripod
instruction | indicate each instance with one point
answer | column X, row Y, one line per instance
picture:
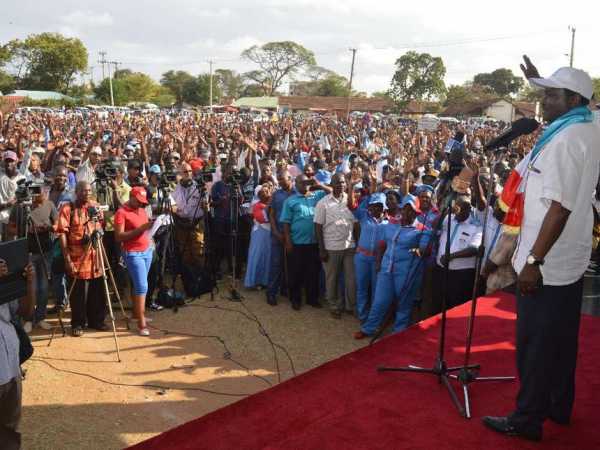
column 105, row 171
column 235, row 177
column 26, row 190
column 168, row 178
column 204, row 176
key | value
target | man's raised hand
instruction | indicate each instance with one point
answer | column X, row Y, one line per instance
column 529, row 70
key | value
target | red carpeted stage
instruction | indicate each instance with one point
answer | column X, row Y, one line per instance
column 346, row 404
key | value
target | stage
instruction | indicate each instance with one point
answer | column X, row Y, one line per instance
column 347, row 404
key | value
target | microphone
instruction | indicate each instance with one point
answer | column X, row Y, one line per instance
column 518, row 128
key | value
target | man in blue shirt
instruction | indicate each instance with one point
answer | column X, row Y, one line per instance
column 276, row 278
column 300, row 240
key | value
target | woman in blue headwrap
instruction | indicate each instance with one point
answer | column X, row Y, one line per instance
column 399, row 253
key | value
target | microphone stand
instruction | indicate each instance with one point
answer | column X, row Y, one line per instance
column 469, row 373
column 440, row 368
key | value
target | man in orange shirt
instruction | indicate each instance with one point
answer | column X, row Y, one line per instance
column 75, row 227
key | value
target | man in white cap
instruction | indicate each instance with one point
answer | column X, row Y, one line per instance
column 558, row 178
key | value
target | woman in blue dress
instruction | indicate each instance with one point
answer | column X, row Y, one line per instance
column 399, row 260
column 259, row 254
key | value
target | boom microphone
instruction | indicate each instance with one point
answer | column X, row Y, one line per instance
column 518, row 128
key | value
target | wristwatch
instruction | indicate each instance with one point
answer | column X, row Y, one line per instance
column 534, row 260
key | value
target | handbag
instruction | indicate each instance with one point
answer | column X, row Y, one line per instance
column 25, row 347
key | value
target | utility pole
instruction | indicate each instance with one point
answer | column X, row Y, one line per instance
column 572, row 28
column 92, row 75
column 353, row 50
column 210, row 88
column 102, row 61
column 112, row 98
column 116, row 64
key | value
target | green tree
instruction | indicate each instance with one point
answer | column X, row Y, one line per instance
column 333, row 85
column 418, row 76
column 128, row 87
column 176, row 82
column 596, row 83
column 276, row 61
column 47, row 61
column 467, row 93
column 229, row 82
column 502, row 81
column 197, row 92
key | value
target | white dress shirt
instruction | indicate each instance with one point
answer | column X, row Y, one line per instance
column 566, row 171
column 463, row 235
column 337, row 221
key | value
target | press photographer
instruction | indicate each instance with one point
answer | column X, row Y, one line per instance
column 76, row 226
column 10, row 368
column 112, row 191
column 8, row 187
column 190, row 198
column 33, row 216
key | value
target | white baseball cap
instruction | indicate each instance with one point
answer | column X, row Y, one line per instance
column 575, row 80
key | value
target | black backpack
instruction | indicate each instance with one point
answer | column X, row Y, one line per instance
column 196, row 281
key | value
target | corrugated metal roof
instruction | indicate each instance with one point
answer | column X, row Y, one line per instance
column 257, row 102
column 41, row 95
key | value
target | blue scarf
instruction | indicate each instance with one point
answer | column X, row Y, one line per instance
column 580, row 114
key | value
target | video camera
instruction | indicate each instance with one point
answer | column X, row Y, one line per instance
column 26, row 190
column 235, row 177
column 168, row 177
column 106, row 170
column 204, row 176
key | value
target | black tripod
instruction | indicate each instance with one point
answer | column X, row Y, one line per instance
column 234, row 211
column 470, row 373
column 440, row 368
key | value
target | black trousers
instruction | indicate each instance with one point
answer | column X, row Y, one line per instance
column 304, row 268
column 458, row 291
column 222, row 241
column 547, row 339
column 90, row 310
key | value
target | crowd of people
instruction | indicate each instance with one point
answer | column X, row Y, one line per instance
column 323, row 211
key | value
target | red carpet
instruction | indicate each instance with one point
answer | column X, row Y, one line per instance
column 346, row 404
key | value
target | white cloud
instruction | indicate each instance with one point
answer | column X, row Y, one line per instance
column 211, row 13
column 88, row 19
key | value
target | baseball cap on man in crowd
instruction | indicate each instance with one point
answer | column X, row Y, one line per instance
column 9, row 154
column 575, row 80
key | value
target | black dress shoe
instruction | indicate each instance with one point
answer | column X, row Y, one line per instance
column 504, row 426
column 296, row 306
column 559, row 420
column 316, row 305
column 271, row 300
column 100, row 327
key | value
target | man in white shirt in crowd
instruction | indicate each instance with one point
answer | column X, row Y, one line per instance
column 86, row 170
column 10, row 369
column 8, row 187
column 465, row 239
column 553, row 252
column 334, row 227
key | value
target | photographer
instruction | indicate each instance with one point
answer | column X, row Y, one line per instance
column 131, row 224
column 42, row 217
column 76, row 228
column 8, row 187
column 10, row 369
column 114, row 194
column 189, row 227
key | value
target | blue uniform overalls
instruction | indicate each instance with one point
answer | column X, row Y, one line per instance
column 364, row 262
column 399, row 275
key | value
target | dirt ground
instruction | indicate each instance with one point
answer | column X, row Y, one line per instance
column 65, row 410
